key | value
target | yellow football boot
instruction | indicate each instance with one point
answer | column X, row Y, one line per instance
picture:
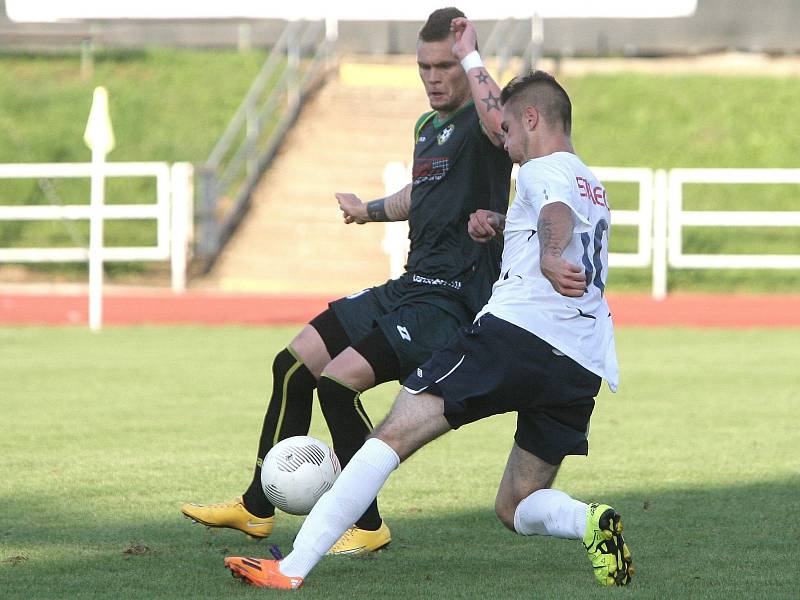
column 361, row 541
column 232, row 515
column 610, row 556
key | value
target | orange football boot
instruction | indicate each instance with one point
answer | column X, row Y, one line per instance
column 261, row 572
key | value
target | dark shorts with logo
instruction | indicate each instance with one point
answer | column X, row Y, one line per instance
column 493, row 367
column 416, row 319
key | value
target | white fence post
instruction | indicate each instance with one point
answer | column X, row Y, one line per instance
column 96, row 240
column 181, row 178
column 395, row 240
column 660, row 235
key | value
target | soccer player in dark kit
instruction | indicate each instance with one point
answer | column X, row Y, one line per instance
column 383, row 333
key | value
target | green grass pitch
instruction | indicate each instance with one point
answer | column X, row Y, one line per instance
column 104, row 435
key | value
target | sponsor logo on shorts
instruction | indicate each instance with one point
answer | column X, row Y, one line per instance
column 456, row 285
column 419, row 372
column 404, row 333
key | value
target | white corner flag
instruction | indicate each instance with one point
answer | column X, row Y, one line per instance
column 99, row 136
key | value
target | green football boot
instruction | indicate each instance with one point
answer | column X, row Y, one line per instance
column 610, row 556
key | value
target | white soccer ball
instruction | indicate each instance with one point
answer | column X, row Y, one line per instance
column 297, row 471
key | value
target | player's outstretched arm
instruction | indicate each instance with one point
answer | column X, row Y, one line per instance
column 392, row 208
column 555, row 229
column 485, row 91
column 484, row 225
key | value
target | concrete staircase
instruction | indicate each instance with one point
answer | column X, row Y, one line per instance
column 293, row 239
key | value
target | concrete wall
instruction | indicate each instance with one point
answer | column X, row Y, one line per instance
column 764, row 26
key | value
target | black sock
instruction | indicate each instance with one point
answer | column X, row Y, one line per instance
column 288, row 414
column 349, row 426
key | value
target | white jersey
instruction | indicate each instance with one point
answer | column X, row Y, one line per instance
column 581, row 327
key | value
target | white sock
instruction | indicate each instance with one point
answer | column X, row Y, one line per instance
column 351, row 494
column 551, row 512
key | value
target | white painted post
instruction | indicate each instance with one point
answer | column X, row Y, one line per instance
column 100, row 138
column 331, row 28
column 660, row 235
column 395, row 240
column 181, row 195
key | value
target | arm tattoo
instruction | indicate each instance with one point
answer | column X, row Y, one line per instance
column 391, row 208
column 482, row 76
column 492, row 102
column 396, row 210
column 398, row 205
column 377, row 210
column 554, row 229
column 546, row 238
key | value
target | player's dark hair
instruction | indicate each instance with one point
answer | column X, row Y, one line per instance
column 437, row 27
column 541, row 90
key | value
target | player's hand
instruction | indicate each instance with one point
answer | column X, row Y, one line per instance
column 353, row 209
column 465, row 35
column 567, row 279
column 484, row 225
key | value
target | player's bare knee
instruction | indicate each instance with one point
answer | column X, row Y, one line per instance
column 505, row 503
column 351, row 369
column 309, row 347
column 412, row 422
column 505, row 510
column 393, row 436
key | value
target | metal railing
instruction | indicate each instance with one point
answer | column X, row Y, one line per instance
column 509, row 34
column 293, row 69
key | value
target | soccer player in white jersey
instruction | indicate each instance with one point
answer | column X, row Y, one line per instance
column 539, row 347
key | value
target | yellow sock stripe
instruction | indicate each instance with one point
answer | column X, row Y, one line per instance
column 361, row 412
column 286, row 379
column 356, row 403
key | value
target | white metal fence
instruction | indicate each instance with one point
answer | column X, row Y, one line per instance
column 172, row 212
column 680, row 218
column 660, row 219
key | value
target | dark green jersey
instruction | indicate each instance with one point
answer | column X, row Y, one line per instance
column 457, row 170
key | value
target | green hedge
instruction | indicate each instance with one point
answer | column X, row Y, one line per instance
column 172, row 105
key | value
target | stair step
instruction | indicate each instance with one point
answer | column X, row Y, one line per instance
column 293, row 239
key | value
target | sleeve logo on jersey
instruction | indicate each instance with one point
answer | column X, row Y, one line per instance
column 445, row 134
column 596, row 195
column 430, row 169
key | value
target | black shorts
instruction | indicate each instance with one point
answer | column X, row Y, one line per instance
column 493, row 367
column 416, row 319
